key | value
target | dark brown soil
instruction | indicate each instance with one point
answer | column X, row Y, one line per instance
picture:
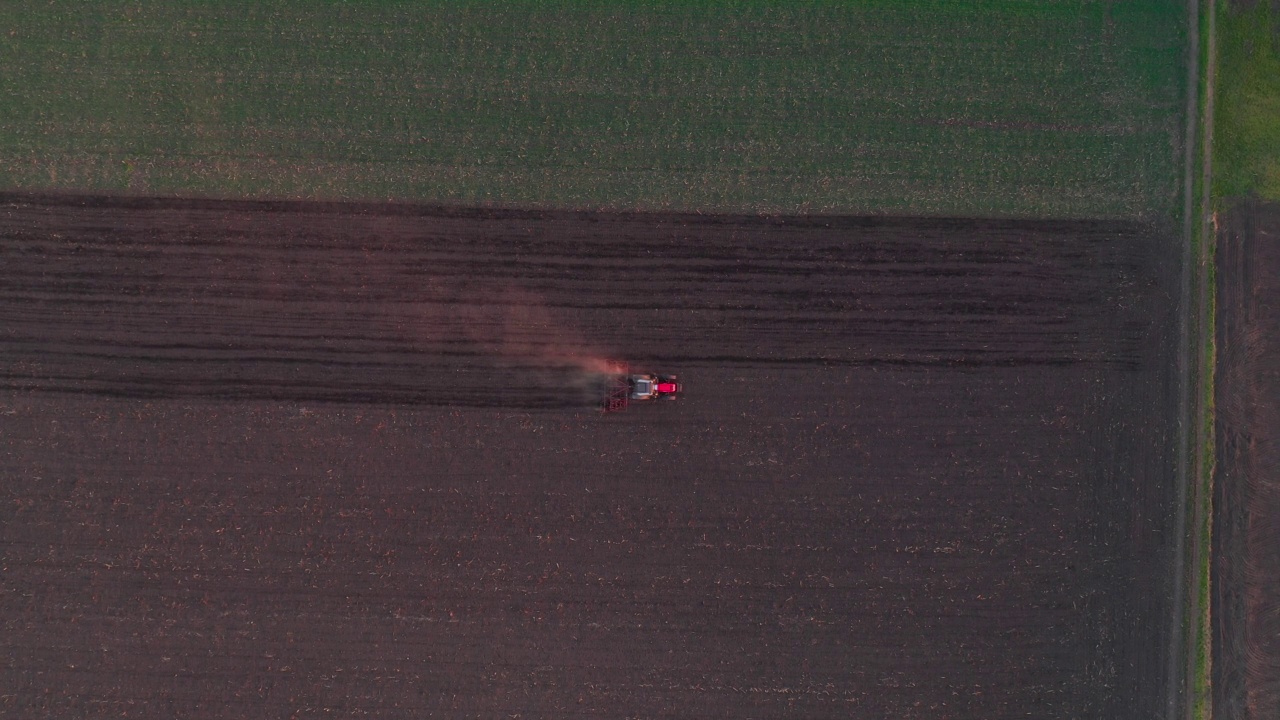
column 264, row 460
column 1246, row 518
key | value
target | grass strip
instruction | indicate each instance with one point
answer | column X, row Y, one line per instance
column 1247, row 149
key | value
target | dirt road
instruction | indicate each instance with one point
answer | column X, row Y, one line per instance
column 271, row 459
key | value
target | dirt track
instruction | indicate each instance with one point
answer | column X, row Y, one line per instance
column 1246, row 537
column 296, row 457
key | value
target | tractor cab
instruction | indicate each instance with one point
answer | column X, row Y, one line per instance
column 653, row 387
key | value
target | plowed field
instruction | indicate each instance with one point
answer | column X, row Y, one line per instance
column 263, row 459
column 1246, row 520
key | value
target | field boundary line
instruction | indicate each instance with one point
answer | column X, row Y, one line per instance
column 1189, row 692
column 1200, row 655
column 1177, row 677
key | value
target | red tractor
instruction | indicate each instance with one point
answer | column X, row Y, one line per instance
column 652, row 387
column 626, row 388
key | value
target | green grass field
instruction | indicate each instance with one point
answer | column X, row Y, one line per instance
column 985, row 108
column 1246, row 130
